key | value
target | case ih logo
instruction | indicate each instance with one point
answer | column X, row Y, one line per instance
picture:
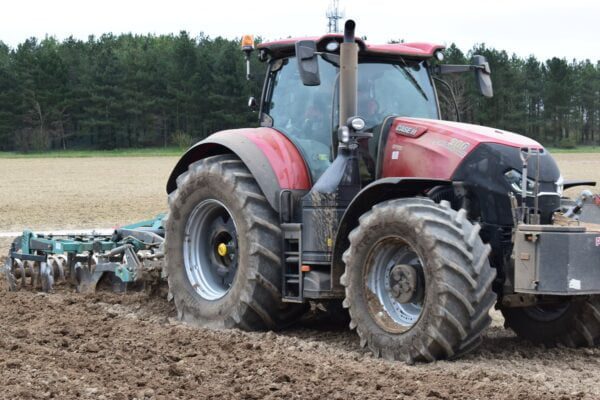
column 598, row 241
column 406, row 130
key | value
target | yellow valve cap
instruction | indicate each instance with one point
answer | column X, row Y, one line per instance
column 222, row 249
column 247, row 42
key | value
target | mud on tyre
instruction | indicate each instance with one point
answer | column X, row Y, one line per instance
column 418, row 282
column 223, row 246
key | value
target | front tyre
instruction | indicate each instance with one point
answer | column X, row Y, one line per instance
column 418, row 281
column 223, row 249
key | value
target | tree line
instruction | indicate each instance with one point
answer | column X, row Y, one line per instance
column 120, row 91
column 556, row 102
column 144, row 90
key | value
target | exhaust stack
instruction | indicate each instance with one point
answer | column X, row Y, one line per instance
column 348, row 74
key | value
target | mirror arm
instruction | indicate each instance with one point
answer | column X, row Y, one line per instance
column 445, row 69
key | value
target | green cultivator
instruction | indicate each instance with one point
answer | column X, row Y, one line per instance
column 129, row 256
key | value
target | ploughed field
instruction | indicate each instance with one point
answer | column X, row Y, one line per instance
column 65, row 345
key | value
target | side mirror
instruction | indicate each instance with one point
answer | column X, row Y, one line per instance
column 252, row 103
column 308, row 63
column 483, row 77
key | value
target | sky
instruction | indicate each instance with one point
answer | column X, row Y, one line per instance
column 569, row 29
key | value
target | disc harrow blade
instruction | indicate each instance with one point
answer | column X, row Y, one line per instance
column 8, row 273
column 86, row 276
column 27, row 274
column 46, row 277
column 57, row 264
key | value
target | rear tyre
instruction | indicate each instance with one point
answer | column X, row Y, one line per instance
column 418, row 281
column 574, row 324
column 223, row 246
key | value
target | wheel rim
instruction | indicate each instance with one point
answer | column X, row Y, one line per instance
column 210, row 249
column 382, row 302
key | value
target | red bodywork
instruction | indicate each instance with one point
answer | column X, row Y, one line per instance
column 415, row 147
column 434, row 149
column 280, row 48
column 285, row 159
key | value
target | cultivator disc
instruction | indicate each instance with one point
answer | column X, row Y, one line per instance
column 35, row 275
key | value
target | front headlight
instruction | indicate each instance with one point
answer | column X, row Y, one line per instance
column 515, row 179
column 560, row 185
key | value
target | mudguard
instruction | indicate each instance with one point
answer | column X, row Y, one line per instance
column 272, row 158
column 376, row 192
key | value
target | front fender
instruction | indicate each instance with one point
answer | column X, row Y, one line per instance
column 272, row 159
column 376, row 192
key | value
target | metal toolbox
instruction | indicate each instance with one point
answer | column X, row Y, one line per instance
column 557, row 260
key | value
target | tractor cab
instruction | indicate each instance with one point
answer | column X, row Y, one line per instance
column 393, row 80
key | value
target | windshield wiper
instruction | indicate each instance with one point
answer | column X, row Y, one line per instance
column 412, row 79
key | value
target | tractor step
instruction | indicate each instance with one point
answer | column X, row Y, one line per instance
column 292, row 285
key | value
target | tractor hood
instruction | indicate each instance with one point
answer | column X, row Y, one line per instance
column 469, row 133
column 477, row 156
column 414, row 147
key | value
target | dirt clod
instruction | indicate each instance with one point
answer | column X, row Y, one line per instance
column 12, row 364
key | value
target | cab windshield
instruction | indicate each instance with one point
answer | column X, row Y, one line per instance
column 308, row 115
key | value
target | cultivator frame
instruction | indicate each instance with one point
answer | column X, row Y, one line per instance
column 129, row 255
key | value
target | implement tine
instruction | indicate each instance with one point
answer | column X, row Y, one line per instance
column 47, row 276
column 61, row 262
column 21, row 268
column 56, row 267
column 30, row 265
column 10, row 277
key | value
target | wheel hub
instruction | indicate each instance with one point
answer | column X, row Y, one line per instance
column 222, row 249
column 395, row 285
column 403, row 283
column 210, row 249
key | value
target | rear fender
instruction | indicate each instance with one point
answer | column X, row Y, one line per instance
column 273, row 160
column 376, row 192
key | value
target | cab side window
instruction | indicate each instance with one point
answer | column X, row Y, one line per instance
column 304, row 113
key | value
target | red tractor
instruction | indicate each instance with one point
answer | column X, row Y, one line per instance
column 353, row 190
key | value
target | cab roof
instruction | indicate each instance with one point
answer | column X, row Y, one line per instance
column 286, row 47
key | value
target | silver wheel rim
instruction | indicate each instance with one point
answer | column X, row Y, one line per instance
column 209, row 226
column 387, row 312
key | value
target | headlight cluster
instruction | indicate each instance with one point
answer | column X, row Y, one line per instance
column 515, row 179
column 560, row 186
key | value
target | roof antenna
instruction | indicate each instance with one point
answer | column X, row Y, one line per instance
column 333, row 16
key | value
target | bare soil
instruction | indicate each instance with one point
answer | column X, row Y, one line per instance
column 65, row 193
column 108, row 346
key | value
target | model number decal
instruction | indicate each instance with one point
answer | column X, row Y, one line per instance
column 456, row 146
